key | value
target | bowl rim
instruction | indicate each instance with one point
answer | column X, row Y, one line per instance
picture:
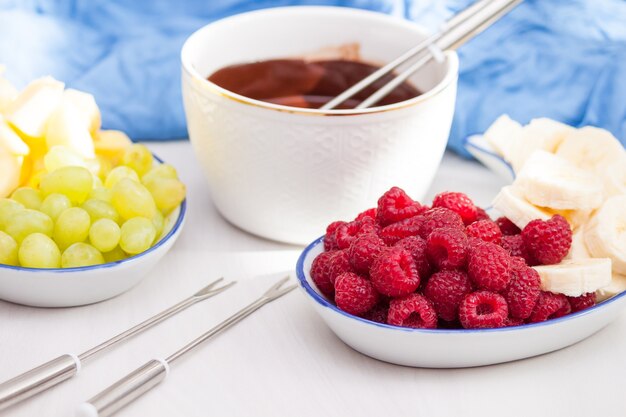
column 450, row 74
column 320, row 299
column 161, row 242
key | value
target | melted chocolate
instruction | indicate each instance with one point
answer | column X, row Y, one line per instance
column 307, row 84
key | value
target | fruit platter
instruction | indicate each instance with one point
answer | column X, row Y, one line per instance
column 321, row 229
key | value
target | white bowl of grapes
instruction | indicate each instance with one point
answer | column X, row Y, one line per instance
column 84, row 213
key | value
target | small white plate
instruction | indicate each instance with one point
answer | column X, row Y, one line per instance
column 68, row 287
column 480, row 149
column 441, row 348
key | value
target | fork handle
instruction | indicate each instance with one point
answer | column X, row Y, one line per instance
column 38, row 379
column 126, row 390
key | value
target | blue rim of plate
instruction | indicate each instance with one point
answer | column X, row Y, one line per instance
column 304, row 284
column 161, row 242
column 467, row 143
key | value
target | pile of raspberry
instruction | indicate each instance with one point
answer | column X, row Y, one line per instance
column 445, row 266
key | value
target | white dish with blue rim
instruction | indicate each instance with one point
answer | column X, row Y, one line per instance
column 441, row 348
column 67, row 287
column 480, row 149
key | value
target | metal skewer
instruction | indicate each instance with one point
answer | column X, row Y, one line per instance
column 455, row 32
column 66, row 366
column 149, row 375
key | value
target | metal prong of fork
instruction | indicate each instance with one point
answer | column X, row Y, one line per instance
column 201, row 295
column 209, row 291
column 274, row 292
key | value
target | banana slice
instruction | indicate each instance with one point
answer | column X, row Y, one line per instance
column 578, row 250
column 30, row 111
column 69, row 126
column 11, row 141
column 550, row 181
column 575, row 277
column 510, row 203
column 503, row 135
column 605, row 234
column 614, row 177
column 540, row 134
column 617, row 285
column 591, row 148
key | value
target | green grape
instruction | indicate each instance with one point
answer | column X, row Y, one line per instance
column 119, row 173
column 8, row 249
column 100, row 193
column 115, row 255
column 158, row 222
column 137, row 235
column 7, row 208
column 160, row 171
column 39, row 251
column 72, row 226
column 131, row 199
column 74, row 182
column 81, row 254
column 97, row 182
column 60, row 156
column 104, row 235
column 27, row 196
column 26, row 222
column 139, row 158
column 99, row 209
column 54, row 204
column 167, row 193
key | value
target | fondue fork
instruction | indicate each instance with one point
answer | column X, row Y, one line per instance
column 459, row 29
column 149, row 375
column 66, row 366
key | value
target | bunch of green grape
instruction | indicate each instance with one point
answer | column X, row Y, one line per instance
column 77, row 219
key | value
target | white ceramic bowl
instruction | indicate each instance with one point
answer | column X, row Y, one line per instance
column 284, row 173
column 68, row 287
column 440, row 348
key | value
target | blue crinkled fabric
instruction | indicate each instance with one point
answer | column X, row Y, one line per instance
column 564, row 59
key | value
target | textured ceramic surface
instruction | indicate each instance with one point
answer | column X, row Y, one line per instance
column 285, row 173
column 453, row 348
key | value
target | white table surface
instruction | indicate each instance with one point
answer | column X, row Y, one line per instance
column 284, row 361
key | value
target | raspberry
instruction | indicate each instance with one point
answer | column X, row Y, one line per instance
column 337, row 264
column 377, row 314
column 481, row 214
column 394, row 272
column 447, row 248
column 354, row 294
column 330, row 241
column 439, row 217
column 348, row 232
column 548, row 241
column 485, row 230
column 412, row 310
column 459, row 203
column 371, row 213
column 483, row 309
column 319, row 273
column 402, row 229
column 417, row 248
column 396, row 205
column 515, row 246
column 549, row 306
column 582, row 302
column 489, row 266
column 523, row 290
column 363, row 251
column 507, row 227
column 511, row 321
column 446, row 289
